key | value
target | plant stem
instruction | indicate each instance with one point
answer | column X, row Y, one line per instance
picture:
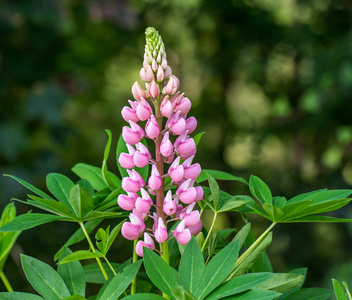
column 6, row 282
column 134, row 259
column 209, row 232
column 255, row 244
column 110, row 266
column 93, row 250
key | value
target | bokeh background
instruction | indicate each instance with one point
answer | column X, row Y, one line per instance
column 270, row 82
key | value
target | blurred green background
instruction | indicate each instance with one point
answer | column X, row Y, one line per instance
column 270, row 82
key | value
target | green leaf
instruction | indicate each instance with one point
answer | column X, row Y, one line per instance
column 86, row 185
column 103, row 215
column 159, row 272
column 339, row 292
column 118, row 284
column 252, row 207
column 295, row 208
column 78, row 236
column 310, row 294
column 215, row 191
column 191, row 266
column 347, row 290
column 76, row 297
column 81, row 201
column 197, row 138
column 217, row 270
column 60, row 186
column 106, row 175
column 112, row 236
column 19, row 296
column 220, row 175
column 279, row 202
column 80, row 255
column 92, row 174
column 144, row 297
column 100, row 237
column 231, row 204
column 238, row 284
column 30, row 220
column 322, row 196
column 45, row 280
column 30, row 187
column 281, row 282
column 260, row 190
column 273, row 212
column 182, row 294
column 256, row 294
column 315, row 218
column 8, row 214
column 242, row 235
column 73, row 274
column 247, row 260
column 54, row 206
column 303, row 196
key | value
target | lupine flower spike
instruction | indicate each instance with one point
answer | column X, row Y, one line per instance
column 162, row 111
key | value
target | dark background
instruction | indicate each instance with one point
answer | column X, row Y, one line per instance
column 270, row 82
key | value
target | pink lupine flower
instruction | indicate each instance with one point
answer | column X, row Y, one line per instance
column 141, row 156
column 190, row 216
column 133, row 183
column 184, row 106
column 186, row 192
column 129, row 114
column 133, row 229
column 176, row 170
column 143, row 203
column 169, row 206
column 195, row 229
column 191, row 171
column 154, row 65
column 143, row 74
column 149, row 73
column 148, row 242
column 160, row 233
column 166, row 148
column 153, row 89
column 185, row 146
column 128, row 201
column 160, row 74
column 167, row 73
column 143, row 110
column 200, row 193
column 154, row 181
column 191, row 124
column 182, row 234
column 152, row 128
column 132, row 135
column 177, row 124
column 138, row 92
column 166, row 108
column 172, row 85
column 126, row 159
column 170, row 159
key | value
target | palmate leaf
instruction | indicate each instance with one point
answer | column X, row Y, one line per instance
column 281, row 282
column 260, row 190
column 220, row 175
column 92, row 174
column 80, row 255
column 106, row 174
column 19, row 296
column 215, row 192
column 309, row 294
column 53, row 206
column 180, row 293
column 80, row 201
column 60, row 186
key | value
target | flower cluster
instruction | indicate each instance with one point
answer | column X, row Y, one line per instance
column 169, row 127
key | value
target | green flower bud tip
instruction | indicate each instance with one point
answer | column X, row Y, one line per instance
column 154, row 43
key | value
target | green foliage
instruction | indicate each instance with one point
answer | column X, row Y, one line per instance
column 339, row 291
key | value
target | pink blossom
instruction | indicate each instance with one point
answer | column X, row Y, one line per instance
column 182, row 234
column 143, row 109
column 160, row 74
column 195, row 229
column 133, row 229
column 191, row 124
column 153, row 89
column 154, row 181
column 191, row 171
column 185, row 146
column 172, row 86
column 169, row 206
column 166, row 108
column 128, row 201
column 190, row 216
column 148, row 242
column 176, row 170
column 133, row 183
column 138, row 92
column 144, row 202
column 166, row 148
column 132, row 135
column 184, row 106
column 149, row 73
column 160, row 233
column 141, row 156
column 152, row 128
column 186, row 192
column 199, row 193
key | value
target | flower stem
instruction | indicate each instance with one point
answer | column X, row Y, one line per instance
column 255, row 244
column 110, row 266
column 6, row 282
column 210, row 231
column 134, row 259
column 93, row 250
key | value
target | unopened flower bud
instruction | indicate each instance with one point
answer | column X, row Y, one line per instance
column 149, row 73
column 182, row 234
column 169, row 206
column 160, row 233
column 160, row 74
column 138, row 92
column 191, row 124
column 172, row 86
column 132, row 135
column 127, row 202
column 184, row 106
column 176, row 170
column 152, row 128
column 133, row 229
column 153, row 89
column 166, row 148
column 166, row 108
column 148, row 242
column 154, row 181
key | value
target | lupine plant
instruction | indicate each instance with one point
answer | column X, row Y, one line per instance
column 160, row 198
